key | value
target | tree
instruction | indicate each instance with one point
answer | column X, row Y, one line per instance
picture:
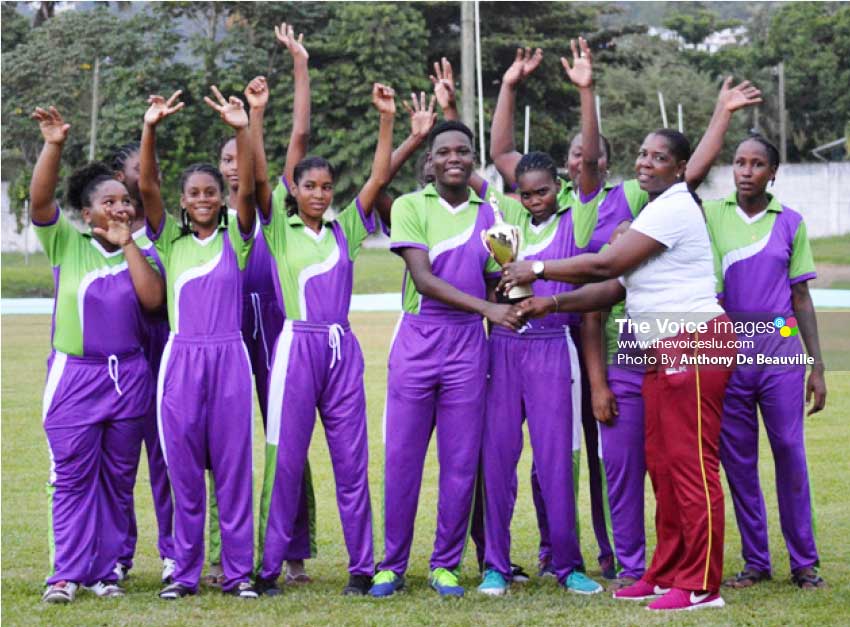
column 694, row 22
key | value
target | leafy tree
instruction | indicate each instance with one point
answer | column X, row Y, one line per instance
column 694, row 22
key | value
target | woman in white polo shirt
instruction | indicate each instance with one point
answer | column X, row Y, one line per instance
column 663, row 266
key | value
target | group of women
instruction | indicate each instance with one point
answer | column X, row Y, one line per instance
column 159, row 323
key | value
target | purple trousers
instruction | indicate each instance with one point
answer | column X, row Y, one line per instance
column 205, row 420
column 436, row 378
column 315, row 366
column 92, row 412
column 621, row 449
column 157, row 470
column 530, row 378
column 779, row 393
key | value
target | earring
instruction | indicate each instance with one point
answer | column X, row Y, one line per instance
column 184, row 219
column 222, row 216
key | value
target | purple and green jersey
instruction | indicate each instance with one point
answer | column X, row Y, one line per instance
column 451, row 237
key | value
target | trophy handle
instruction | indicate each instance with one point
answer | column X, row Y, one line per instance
column 486, row 241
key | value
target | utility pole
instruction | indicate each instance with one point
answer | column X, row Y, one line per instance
column 467, row 63
column 94, row 108
column 783, row 115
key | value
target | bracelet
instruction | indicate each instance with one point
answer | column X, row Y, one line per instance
column 555, row 300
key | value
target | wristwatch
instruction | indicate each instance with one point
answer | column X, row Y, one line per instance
column 537, row 268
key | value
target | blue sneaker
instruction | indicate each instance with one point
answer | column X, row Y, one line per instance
column 493, row 584
column 445, row 582
column 580, row 583
column 385, row 584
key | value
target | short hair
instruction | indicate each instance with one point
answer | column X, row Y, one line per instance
column 536, row 161
column 679, row 145
column 606, row 145
column 204, row 168
column 449, row 125
column 118, row 157
column 772, row 151
column 305, row 165
column 84, row 181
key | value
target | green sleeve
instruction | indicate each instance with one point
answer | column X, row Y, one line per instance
column 408, row 225
column 711, row 211
column 512, row 210
column 635, row 196
column 271, row 227
column 55, row 236
column 164, row 240
column 242, row 242
column 356, row 225
column 802, row 264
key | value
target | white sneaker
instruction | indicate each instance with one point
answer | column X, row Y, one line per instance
column 168, row 566
column 121, row 571
column 61, row 592
column 106, row 590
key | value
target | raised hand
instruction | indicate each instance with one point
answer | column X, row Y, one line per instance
column 524, row 64
column 232, row 111
column 422, row 120
column 444, row 84
column 53, row 128
column 286, row 36
column 160, row 108
column 581, row 73
column 383, row 99
column 257, row 93
column 745, row 94
column 117, row 231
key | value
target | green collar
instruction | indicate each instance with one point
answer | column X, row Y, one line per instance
column 295, row 220
column 430, row 190
column 772, row 204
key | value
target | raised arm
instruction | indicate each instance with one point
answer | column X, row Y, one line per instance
column 300, row 135
column 233, row 114
column 427, row 284
column 503, row 152
column 45, row 176
column 729, row 100
column 804, row 310
column 158, row 110
column 257, row 95
column 581, row 74
column 383, row 98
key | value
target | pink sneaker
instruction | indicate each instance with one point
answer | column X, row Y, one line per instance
column 684, row 600
column 640, row 591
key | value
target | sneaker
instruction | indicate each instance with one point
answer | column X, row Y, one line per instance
column 267, row 587
column 60, row 592
column 518, row 575
column 640, row 591
column 685, row 600
column 546, row 570
column 445, row 582
column 493, row 584
column 580, row 583
column 358, row 585
column 106, row 589
column 175, row 591
column 168, row 566
column 608, row 566
column 121, row 571
column 243, row 590
column 386, row 583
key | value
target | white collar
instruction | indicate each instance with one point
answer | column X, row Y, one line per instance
column 99, row 247
column 317, row 237
column 750, row 219
column 207, row 240
column 448, row 206
column 538, row 228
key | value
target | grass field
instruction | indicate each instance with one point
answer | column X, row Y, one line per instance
column 24, row 531
column 376, row 271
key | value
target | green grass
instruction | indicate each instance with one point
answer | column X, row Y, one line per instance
column 24, row 530
column 832, row 249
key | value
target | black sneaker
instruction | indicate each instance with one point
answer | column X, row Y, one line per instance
column 358, row 585
column 267, row 587
column 243, row 590
column 175, row 591
column 518, row 574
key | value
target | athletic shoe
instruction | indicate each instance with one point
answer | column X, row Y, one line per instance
column 640, row 591
column 580, row 583
column 685, row 600
column 267, row 587
column 121, row 571
column 445, row 582
column 386, row 583
column 168, row 566
column 609, row 568
column 106, row 589
column 493, row 584
column 358, row 585
column 175, row 591
column 518, row 575
column 243, row 590
column 547, row 570
column 60, row 592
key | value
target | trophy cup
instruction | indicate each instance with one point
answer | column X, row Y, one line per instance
column 503, row 241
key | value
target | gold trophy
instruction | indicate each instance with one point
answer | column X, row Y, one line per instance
column 503, row 241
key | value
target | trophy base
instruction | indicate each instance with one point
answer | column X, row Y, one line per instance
column 520, row 292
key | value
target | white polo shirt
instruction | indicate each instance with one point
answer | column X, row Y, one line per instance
column 679, row 282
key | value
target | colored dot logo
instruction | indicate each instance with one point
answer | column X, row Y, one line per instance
column 787, row 327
